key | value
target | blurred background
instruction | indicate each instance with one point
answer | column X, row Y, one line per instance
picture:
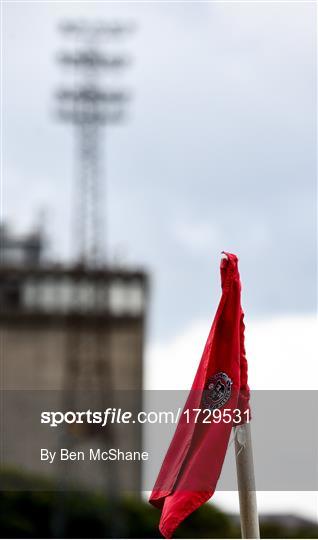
column 139, row 141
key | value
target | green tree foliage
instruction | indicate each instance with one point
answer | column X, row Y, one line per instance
column 32, row 507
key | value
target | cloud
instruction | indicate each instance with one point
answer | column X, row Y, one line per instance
column 195, row 236
column 299, row 503
column 282, row 354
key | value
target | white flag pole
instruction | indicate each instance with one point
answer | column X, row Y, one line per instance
column 246, row 477
column 246, row 482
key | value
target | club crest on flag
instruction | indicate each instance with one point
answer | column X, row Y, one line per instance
column 217, row 391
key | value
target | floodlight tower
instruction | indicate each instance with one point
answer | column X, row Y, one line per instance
column 89, row 106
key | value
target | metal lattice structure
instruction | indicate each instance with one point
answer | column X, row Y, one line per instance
column 90, row 106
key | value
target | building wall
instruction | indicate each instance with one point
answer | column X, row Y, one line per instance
column 37, row 369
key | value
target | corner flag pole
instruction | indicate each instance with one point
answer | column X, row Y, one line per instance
column 246, row 482
column 246, row 478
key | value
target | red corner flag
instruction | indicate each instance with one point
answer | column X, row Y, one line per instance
column 193, row 463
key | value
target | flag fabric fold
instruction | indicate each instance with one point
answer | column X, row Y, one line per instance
column 193, row 462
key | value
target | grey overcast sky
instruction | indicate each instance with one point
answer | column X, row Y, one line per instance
column 218, row 152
